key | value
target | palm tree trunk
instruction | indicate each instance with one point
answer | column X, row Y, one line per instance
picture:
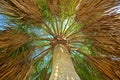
column 63, row 68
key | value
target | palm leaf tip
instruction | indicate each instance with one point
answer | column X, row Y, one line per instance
column 27, row 11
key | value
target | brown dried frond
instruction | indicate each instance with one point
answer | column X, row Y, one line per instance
column 11, row 40
column 57, row 6
column 109, row 66
column 15, row 68
column 89, row 11
column 53, row 6
column 25, row 10
column 106, row 34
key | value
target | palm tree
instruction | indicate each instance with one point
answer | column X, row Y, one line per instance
column 60, row 40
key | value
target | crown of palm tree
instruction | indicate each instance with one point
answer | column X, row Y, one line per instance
column 60, row 40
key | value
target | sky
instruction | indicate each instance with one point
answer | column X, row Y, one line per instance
column 1, row 22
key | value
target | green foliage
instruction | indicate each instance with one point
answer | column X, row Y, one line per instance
column 85, row 70
column 44, row 10
column 42, row 68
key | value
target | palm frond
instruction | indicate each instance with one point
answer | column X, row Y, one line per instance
column 42, row 68
column 83, row 68
column 59, row 7
column 53, row 6
column 27, row 11
column 89, row 11
column 11, row 40
column 109, row 66
column 15, row 55
column 15, row 68
column 106, row 34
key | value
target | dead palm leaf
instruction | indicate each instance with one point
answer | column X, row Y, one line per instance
column 89, row 11
column 107, row 65
column 102, row 27
column 15, row 68
column 27, row 11
column 53, row 6
column 10, row 40
column 106, row 34
column 58, row 7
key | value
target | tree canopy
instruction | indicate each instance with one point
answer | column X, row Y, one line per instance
column 85, row 33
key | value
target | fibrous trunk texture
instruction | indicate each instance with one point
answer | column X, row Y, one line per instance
column 63, row 68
